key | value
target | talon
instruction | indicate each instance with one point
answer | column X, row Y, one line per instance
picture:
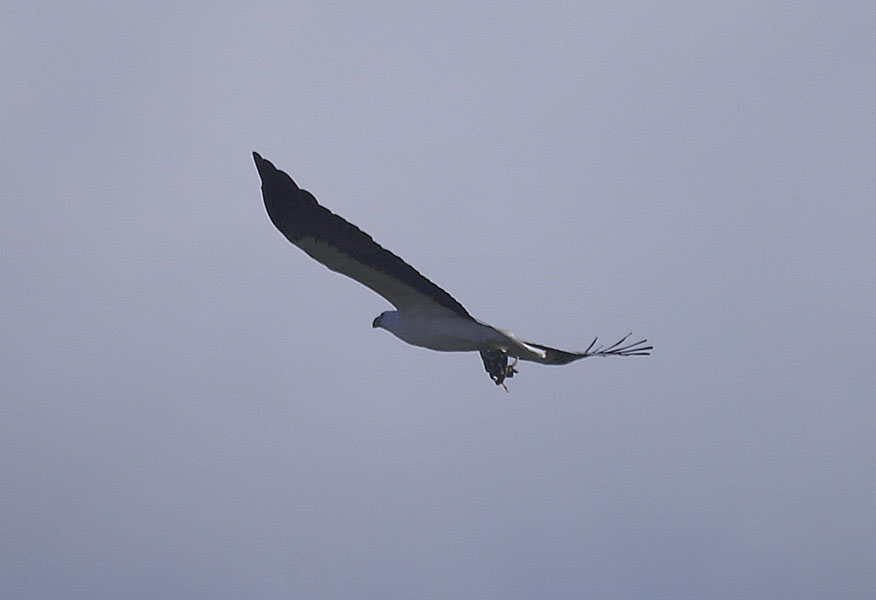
column 496, row 365
column 509, row 369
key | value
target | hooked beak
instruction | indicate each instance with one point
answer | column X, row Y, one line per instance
column 376, row 322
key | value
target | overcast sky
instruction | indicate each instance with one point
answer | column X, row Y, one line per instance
column 192, row 407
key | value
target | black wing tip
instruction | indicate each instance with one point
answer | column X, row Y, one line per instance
column 264, row 166
column 271, row 175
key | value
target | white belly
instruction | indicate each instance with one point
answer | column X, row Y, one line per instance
column 451, row 334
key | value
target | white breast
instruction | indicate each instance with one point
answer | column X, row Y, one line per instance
column 448, row 334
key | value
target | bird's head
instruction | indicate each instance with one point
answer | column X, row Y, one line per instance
column 386, row 320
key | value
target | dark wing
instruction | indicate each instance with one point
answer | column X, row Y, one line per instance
column 496, row 357
column 552, row 356
column 506, row 342
column 346, row 249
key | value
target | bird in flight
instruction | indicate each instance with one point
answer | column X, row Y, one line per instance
column 426, row 315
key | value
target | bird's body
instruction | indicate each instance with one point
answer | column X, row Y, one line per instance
column 442, row 333
column 427, row 316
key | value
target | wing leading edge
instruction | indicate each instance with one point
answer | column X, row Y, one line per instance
column 346, row 249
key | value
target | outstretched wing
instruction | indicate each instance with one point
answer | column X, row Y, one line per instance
column 495, row 355
column 346, row 249
column 552, row 356
column 502, row 344
column 506, row 341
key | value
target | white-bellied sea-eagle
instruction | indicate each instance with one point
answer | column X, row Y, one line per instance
column 426, row 315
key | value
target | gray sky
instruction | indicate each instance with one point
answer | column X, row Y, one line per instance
column 191, row 407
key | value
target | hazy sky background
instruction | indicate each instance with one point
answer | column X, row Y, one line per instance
column 191, row 407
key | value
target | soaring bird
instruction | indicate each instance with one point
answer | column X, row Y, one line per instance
column 425, row 315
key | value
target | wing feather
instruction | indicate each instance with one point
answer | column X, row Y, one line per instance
column 552, row 356
column 346, row 249
column 506, row 341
